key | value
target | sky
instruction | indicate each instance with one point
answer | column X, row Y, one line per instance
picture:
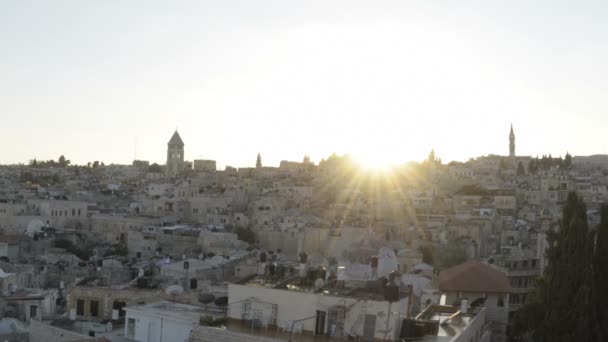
column 385, row 81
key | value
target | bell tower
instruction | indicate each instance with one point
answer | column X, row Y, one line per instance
column 512, row 143
column 175, row 155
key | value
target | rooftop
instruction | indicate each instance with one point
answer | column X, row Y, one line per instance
column 166, row 309
column 474, row 276
column 370, row 290
column 176, row 140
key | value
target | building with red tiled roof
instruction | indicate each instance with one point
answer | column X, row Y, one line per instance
column 480, row 285
column 474, row 276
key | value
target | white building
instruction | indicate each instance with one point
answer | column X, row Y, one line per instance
column 162, row 321
column 480, row 285
column 338, row 311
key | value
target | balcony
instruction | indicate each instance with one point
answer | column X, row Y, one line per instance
column 524, row 272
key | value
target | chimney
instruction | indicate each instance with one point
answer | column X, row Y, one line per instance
column 374, row 264
column 464, row 306
column 410, row 300
column 303, row 260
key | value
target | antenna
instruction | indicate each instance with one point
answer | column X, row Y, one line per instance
column 135, row 150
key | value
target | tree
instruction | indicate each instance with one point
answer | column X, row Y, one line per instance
column 245, row 234
column 568, row 161
column 502, row 165
column 520, row 169
column 34, row 163
column 63, row 162
column 560, row 311
column 154, row 168
column 428, row 255
column 432, row 158
column 532, row 167
column 258, row 161
column 600, row 278
column 95, row 164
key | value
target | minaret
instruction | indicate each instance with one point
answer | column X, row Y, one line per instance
column 512, row 143
column 175, row 155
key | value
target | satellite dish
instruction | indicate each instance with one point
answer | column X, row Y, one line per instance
column 174, row 290
column 206, row 298
column 35, row 226
column 221, row 301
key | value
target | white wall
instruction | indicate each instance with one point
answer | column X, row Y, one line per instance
column 150, row 328
column 293, row 305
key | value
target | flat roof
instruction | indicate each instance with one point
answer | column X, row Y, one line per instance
column 169, row 310
column 352, row 289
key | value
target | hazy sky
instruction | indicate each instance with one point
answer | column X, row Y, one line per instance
column 383, row 80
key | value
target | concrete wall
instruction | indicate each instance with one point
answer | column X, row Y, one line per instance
column 106, row 298
column 210, row 334
column 40, row 332
column 152, row 328
column 293, row 305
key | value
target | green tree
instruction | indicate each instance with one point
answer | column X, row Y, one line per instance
column 62, row 161
column 428, row 254
column 600, row 278
column 502, row 165
column 560, row 311
column 568, row 161
column 532, row 166
column 154, row 168
column 245, row 234
column 520, row 169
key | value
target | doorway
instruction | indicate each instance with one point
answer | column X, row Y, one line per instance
column 320, row 323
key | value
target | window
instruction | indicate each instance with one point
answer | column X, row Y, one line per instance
column 80, row 307
column 193, row 284
column 94, row 308
column 33, row 311
column 131, row 328
column 78, row 212
column 73, row 212
column 501, row 302
column 118, row 305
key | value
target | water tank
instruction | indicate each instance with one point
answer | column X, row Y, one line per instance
column 374, row 261
column 303, row 258
column 391, row 293
column 271, row 270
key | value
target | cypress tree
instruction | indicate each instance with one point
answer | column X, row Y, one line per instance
column 565, row 289
column 600, row 278
column 520, row 169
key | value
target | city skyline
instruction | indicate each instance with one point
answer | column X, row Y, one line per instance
column 384, row 84
column 360, row 162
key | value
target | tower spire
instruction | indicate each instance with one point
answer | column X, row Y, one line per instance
column 511, row 143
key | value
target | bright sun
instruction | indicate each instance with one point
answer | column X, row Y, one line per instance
column 379, row 161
